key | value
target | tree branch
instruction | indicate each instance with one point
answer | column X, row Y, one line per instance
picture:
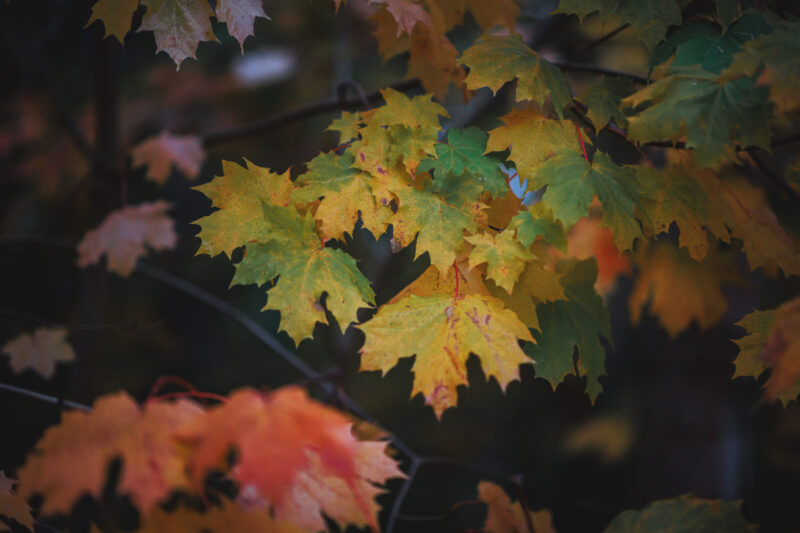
column 604, row 38
column 772, row 176
column 317, row 108
column 114, row 326
column 44, row 397
column 596, row 69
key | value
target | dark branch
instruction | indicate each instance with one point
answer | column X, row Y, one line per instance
column 596, row 69
column 604, row 38
column 44, row 397
column 301, row 113
column 401, row 495
column 772, row 176
column 112, row 326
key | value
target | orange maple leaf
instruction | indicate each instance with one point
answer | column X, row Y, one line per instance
column 71, row 459
column 295, row 455
column 123, row 234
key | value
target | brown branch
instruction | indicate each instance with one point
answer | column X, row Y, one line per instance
column 301, row 113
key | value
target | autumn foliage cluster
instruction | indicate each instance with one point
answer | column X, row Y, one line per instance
column 523, row 229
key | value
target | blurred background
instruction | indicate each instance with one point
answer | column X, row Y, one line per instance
column 669, row 421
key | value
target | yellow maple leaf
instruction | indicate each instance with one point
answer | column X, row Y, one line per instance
column 442, row 331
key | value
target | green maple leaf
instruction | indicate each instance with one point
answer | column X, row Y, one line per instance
column 650, row 18
column 347, row 125
column 240, row 194
column 673, row 195
column 493, row 61
column 572, row 182
column 462, row 158
column 579, row 321
column 537, row 221
column 306, row 270
column 776, row 53
column 504, row 256
column 711, row 112
column 438, row 225
column 684, row 514
column 603, row 99
column 702, row 42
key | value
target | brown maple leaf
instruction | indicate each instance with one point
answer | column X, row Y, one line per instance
column 123, row 235
column 160, row 153
column 39, row 351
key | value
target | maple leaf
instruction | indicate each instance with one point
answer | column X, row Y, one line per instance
column 178, row 26
column 406, row 13
column 572, row 182
column 536, row 284
column 494, row 61
column 674, row 195
column 537, row 221
column 153, row 464
column 123, row 234
column 462, row 158
column 711, row 112
column 346, row 193
column 650, row 18
column 438, row 226
column 665, row 271
column 533, row 138
column 498, row 13
column 702, row 42
column 683, row 514
column 239, row 16
column 502, row 516
column 458, row 280
column 40, row 351
column 240, row 194
column 589, row 239
column 347, row 125
column 160, row 153
column 433, row 59
column 579, row 322
column 504, row 256
column 12, row 507
column 306, row 271
column 745, row 210
column 776, row 53
column 441, row 331
column 296, row 454
column 772, row 342
column 116, row 16
column 603, row 100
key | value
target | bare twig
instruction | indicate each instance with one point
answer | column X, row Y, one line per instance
column 596, row 69
column 772, row 176
column 317, row 108
column 401, row 494
column 44, row 397
column 604, row 38
column 112, row 326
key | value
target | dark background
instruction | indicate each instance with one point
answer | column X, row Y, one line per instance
column 694, row 429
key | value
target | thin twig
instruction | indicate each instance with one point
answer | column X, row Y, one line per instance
column 44, row 397
column 401, row 495
column 596, row 69
column 604, row 38
column 317, row 108
column 113, row 326
column 772, row 176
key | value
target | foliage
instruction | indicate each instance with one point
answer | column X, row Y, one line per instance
column 516, row 283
